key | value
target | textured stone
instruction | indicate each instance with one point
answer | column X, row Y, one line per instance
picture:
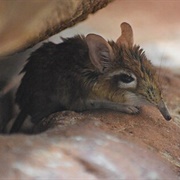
column 79, row 152
column 25, row 23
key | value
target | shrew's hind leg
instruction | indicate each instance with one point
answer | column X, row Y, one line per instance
column 18, row 122
column 45, row 111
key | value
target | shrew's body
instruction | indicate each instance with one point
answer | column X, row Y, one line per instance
column 87, row 73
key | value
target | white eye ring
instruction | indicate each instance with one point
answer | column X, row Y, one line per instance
column 121, row 84
column 131, row 84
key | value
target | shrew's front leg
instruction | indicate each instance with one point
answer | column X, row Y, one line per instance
column 104, row 104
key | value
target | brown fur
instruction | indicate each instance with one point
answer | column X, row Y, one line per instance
column 87, row 73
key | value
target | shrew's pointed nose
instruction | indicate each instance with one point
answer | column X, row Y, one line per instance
column 164, row 111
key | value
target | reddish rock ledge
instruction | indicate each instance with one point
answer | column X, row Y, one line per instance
column 100, row 144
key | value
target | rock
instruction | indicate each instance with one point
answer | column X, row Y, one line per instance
column 81, row 151
column 24, row 24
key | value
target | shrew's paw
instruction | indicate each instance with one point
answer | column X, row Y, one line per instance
column 129, row 109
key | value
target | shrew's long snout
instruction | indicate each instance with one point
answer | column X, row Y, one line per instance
column 164, row 111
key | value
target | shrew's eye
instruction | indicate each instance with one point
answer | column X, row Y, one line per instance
column 125, row 78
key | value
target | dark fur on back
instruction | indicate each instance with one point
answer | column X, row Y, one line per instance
column 53, row 75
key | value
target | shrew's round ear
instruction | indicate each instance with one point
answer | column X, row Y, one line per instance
column 100, row 52
column 126, row 37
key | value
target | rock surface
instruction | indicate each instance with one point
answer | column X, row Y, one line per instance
column 81, row 151
column 99, row 144
column 25, row 23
